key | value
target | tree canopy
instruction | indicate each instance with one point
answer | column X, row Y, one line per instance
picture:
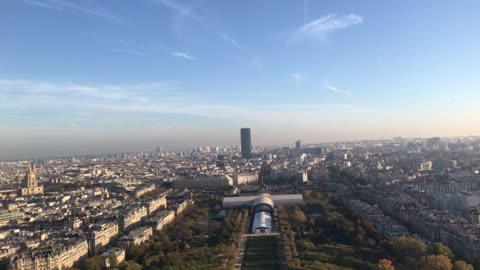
column 385, row 264
column 407, row 247
column 435, row 262
column 441, row 249
column 462, row 265
column 92, row 263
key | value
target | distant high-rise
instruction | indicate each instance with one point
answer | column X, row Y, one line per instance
column 433, row 144
column 246, row 141
column 298, row 144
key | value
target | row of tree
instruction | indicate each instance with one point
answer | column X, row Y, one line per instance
column 287, row 237
column 193, row 241
column 412, row 253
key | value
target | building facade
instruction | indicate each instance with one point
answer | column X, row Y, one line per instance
column 162, row 218
column 59, row 256
column 135, row 237
column 101, row 236
column 132, row 217
column 107, row 256
column 223, row 181
column 246, row 178
column 156, row 204
column 246, row 142
column 463, row 239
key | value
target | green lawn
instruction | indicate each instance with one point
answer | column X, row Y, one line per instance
column 261, row 254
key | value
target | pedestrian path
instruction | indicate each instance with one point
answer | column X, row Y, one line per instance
column 241, row 253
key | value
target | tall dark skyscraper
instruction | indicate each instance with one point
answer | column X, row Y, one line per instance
column 298, row 144
column 246, row 140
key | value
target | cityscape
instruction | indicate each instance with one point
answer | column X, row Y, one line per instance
column 345, row 205
column 239, row 135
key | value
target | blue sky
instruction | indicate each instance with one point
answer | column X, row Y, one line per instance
column 107, row 76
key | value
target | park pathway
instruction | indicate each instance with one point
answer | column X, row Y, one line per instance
column 241, row 253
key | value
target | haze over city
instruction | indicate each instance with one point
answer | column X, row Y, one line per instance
column 86, row 77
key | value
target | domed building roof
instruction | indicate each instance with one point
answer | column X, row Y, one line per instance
column 29, row 176
column 29, row 184
column 263, row 199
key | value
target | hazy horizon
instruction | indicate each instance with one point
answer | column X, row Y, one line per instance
column 86, row 77
column 64, row 148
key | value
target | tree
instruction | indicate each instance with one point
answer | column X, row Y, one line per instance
column 134, row 252
column 305, row 245
column 173, row 257
column 299, row 216
column 407, row 247
column 435, row 262
column 113, row 261
column 462, row 265
column 92, row 263
column 385, row 264
column 441, row 249
column 126, row 265
column 316, row 265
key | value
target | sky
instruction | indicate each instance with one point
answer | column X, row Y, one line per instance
column 89, row 76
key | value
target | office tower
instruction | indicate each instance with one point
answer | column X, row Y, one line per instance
column 433, row 144
column 298, row 144
column 246, row 141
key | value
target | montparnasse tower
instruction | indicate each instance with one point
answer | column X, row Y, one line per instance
column 29, row 183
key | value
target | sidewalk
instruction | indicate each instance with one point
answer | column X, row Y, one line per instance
column 241, row 253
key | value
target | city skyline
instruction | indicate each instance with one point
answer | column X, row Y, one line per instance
column 416, row 202
column 80, row 77
column 157, row 149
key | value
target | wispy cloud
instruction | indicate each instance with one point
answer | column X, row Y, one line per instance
column 43, row 3
column 185, row 12
column 141, row 48
column 129, row 92
column 181, row 10
column 336, row 90
column 184, row 56
column 60, row 5
column 229, row 39
column 142, row 98
column 323, row 26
